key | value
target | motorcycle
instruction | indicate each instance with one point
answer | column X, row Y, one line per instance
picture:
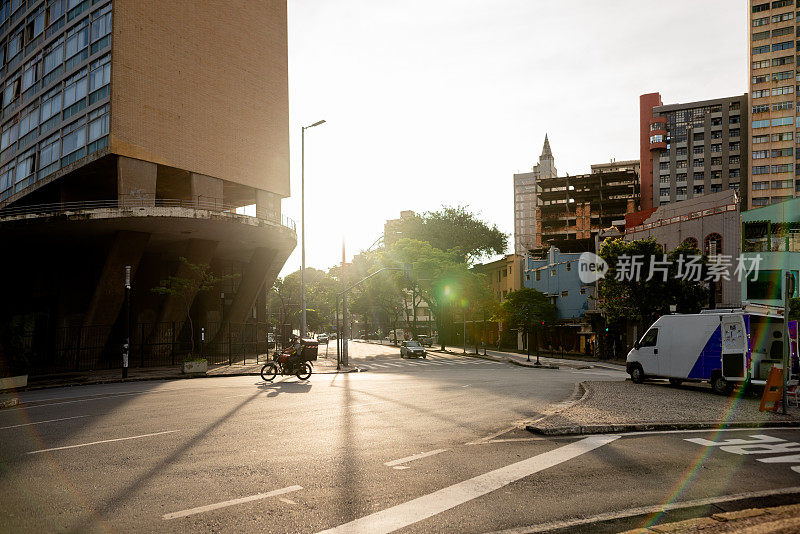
column 283, row 364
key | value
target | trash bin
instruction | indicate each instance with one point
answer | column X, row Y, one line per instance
column 309, row 349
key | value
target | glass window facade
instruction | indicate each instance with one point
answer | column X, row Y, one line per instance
column 56, row 87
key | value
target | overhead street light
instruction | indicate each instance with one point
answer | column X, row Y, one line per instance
column 303, row 328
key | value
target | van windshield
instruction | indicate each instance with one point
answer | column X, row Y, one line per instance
column 650, row 338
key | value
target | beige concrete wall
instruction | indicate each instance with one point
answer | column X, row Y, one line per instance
column 202, row 86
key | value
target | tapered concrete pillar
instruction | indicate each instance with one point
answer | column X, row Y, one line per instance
column 126, row 249
column 251, row 283
column 136, row 182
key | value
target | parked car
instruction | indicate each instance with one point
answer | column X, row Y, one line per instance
column 412, row 349
column 322, row 338
column 425, row 341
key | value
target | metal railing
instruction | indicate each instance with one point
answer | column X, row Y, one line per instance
column 213, row 205
column 93, row 347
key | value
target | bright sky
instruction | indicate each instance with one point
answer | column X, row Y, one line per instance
column 432, row 102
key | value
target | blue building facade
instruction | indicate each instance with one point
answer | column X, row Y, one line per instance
column 557, row 277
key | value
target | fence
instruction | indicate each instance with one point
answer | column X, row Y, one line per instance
column 81, row 348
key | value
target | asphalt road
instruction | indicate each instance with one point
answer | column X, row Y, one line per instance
column 417, row 446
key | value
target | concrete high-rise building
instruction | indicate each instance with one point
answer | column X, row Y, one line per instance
column 773, row 131
column 526, row 199
column 693, row 149
column 139, row 133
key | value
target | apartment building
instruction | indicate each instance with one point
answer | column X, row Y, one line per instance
column 526, row 200
column 773, row 128
column 142, row 137
column 692, row 149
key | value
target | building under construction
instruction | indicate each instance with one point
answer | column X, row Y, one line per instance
column 573, row 209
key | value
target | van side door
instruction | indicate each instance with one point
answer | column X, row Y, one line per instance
column 648, row 352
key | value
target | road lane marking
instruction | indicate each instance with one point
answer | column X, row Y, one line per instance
column 217, row 506
column 646, row 510
column 102, row 441
column 412, row 458
column 43, row 422
column 416, row 510
column 492, row 436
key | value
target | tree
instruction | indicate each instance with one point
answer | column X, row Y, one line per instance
column 456, row 230
column 185, row 288
column 527, row 310
column 639, row 298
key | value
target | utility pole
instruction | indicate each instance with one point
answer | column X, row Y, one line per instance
column 789, row 288
column 126, row 343
column 303, row 325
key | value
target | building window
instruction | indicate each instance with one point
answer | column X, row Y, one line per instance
column 680, row 177
column 782, row 184
column 663, row 192
column 761, row 7
column 786, row 167
column 762, row 64
column 760, row 154
column 29, row 121
column 761, row 93
column 713, row 244
column 781, row 3
column 54, row 56
column 50, row 151
column 785, row 60
column 763, row 49
column 761, row 78
column 716, row 161
column 783, row 136
column 783, row 17
column 782, row 152
column 785, row 90
column 698, row 162
column 781, row 31
column 51, row 104
column 760, row 36
column 782, row 46
column 763, row 21
column 75, row 93
column 761, row 123
column 698, row 176
column 698, row 189
column 25, row 166
column 74, row 138
column 663, row 179
column 9, row 135
column 733, row 160
column 716, row 148
column 760, row 139
column 698, row 149
column 760, row 202
column 783, row 121
column 781, row 106
column 680, row 190
column 733, row 146
column 733, row 173
column 761, row 169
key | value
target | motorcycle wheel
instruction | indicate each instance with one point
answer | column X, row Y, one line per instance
column 269, row 371
column 305, row 372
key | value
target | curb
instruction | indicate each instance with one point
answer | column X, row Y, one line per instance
column 119, row 380
column 579, row 430
column 513, row 361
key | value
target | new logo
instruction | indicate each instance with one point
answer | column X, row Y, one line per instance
column 591, row 267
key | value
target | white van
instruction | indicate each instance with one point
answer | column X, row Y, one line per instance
column 723, row 347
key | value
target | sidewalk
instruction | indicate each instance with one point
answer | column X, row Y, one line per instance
column 136, row 374
column 752, row 521
column 604, row 407
column 573, row 362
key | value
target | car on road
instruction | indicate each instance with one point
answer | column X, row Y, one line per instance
column 412, row 349
column 322, row 338
column 425, row 341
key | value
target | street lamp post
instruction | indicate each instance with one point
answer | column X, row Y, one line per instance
column 303, row 223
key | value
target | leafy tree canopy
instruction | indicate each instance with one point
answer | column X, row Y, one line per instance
column 455, row 230
column 644, row 299
column 527, row 308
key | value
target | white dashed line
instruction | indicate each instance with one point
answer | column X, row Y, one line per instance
column 102, row 441
column 412, row 458
column 209, row 507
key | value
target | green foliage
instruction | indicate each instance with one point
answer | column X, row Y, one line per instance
column 526, row 309
column 644, row 299
column 200, row 279
column 457, row 231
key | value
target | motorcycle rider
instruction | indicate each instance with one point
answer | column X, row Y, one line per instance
column 293, row 350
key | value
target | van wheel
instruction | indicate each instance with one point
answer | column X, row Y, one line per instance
column 637, row 375
column 721, row 386
column 675, row 382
